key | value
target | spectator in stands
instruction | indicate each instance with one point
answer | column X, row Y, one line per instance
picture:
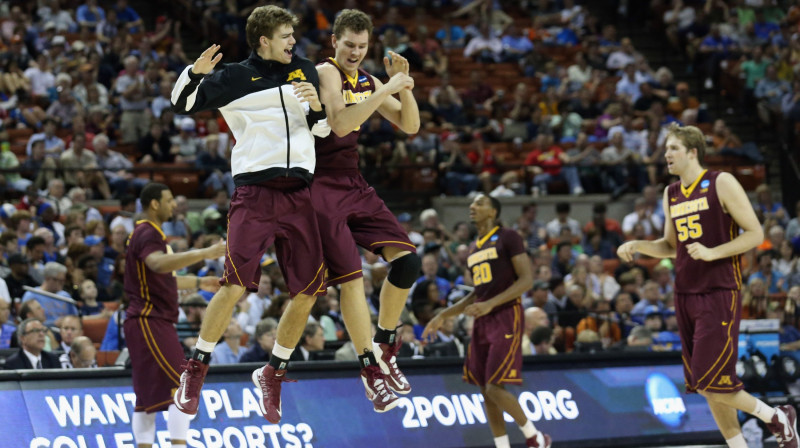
column 769, row 92
column 82, row 355
column 156, row 145
column 715, row 49
column 515, row 44
column 579, row 73
column 629, row 84
column 80, row 167
column 456, row 169
column 767, row 208
column 609, row 228
column 726, row 142
column 53, row 146
column 41, row 77
column 193, row 308
column 563, row 220
column 7, row 328
column 430, row 268
column 639, row 339
column 90, row 308
column 642, row 214
column 31, row 355
column 88, row 81
column 252, row 306
column 115, row 168
column 683, row 101
column 599, row 320
column 130, row 86
column 542, row 341
column 754, row 299
column 450, row 35
column 313, row 340
column 65, row 108
column 125, row 217
column 70, row 328
column 216, row 168
column 620, row 164
column 548, row 163
column 485, row 47
column 56, row 18
column 18, row 277
column 622, row 57
column 774, row 281
column 753, row 69
column 55, row 275
column 56, row 197
column 78, row 198
column 477, row 90
column 265, row 331
column 128, row 16
column 90, row 14
column 34, row 249
column 229, row 351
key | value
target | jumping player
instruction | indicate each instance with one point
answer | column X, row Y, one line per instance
column 349, row 212
column 501, row 271
column 710, row 223
column 271, row 104
column 152, row 288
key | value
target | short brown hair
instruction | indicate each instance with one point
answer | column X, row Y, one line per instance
column 691, row 137
column 264, row 20
column 353, row 20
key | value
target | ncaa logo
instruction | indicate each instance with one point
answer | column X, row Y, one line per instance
column 665, row 401
column 705, row 183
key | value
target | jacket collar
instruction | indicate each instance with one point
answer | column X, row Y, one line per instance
column 267, row 65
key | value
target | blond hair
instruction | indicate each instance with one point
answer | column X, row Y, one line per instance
column 264, row 21
column 691, row 137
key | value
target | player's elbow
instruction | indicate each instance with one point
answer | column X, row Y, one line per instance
column 340, row 131
column 412, row 128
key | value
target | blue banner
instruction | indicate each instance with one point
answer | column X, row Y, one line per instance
column 574, row 405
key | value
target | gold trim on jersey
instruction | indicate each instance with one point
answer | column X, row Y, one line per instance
column 353, row 81
column 314, row 280
column 508, row 361
column 728, row 345
column 688, row 191
column 343, row 276
column 483, row 240
column 164, row 237
column 228, row 250
column 735, row 260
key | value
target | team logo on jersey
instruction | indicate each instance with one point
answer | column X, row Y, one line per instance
column 363, row 80
column 297, row 74
column 725, row 380
column 704, row 186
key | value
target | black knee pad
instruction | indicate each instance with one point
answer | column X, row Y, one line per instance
column 405, row 270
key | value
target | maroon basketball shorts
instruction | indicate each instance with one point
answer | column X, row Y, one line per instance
column 495, row 353
column 709, row 328
column 261, row 215
column 156, row 357
column 350, row 213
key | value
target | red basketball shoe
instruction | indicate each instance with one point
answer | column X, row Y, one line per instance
column 187, row 396
column 269, row 380
column 540, row 440
column 784, row 426
column 387, row 358
column 381, row 396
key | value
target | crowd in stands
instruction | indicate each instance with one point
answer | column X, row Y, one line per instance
column 539, row 100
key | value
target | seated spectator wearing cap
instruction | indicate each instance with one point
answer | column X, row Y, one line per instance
column 265, row 332
column 186, row 146
column 18, row 277
column 82, row 355
column 55, row 274
column 31, row 335
column 7, row 329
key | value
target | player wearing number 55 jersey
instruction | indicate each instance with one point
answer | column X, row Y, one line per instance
column 501, row 272
column 709, row 224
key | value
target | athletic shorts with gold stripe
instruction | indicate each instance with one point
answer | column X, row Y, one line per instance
column 495, row 351
column 156, row 357
column 709, row 329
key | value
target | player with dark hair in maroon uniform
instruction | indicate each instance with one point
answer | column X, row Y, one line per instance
column 501, row 271
column 709, row 224
column 152, row 289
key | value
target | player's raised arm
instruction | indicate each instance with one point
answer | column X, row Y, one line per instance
column 735, row 202
column 404, row 113
column 195, row 89
column 663, row 247
column 342, row 119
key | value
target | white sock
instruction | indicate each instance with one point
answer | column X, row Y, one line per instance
column 144, row 428
column 763, row 411
column 737, row 442
column 204, row 346
column 502, row 442
column 281, row 351
column 178, row 426
column 528, row 430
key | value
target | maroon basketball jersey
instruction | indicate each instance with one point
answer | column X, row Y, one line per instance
column 150, row 294
column 697, row 216
column 490, row 263
column 336, row 153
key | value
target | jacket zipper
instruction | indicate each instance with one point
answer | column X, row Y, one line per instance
column 288, row 140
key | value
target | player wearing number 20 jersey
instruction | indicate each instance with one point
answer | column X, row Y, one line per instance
column 495, row 354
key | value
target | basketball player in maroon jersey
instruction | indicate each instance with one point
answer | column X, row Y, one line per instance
column 704, row 212
column 500, row 270
column 350, row 213
column 152, row 288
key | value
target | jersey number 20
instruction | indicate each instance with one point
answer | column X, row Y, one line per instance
column 689, row 227
column 481, row 274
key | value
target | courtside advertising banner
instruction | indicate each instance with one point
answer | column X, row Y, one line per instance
column 574, row 405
